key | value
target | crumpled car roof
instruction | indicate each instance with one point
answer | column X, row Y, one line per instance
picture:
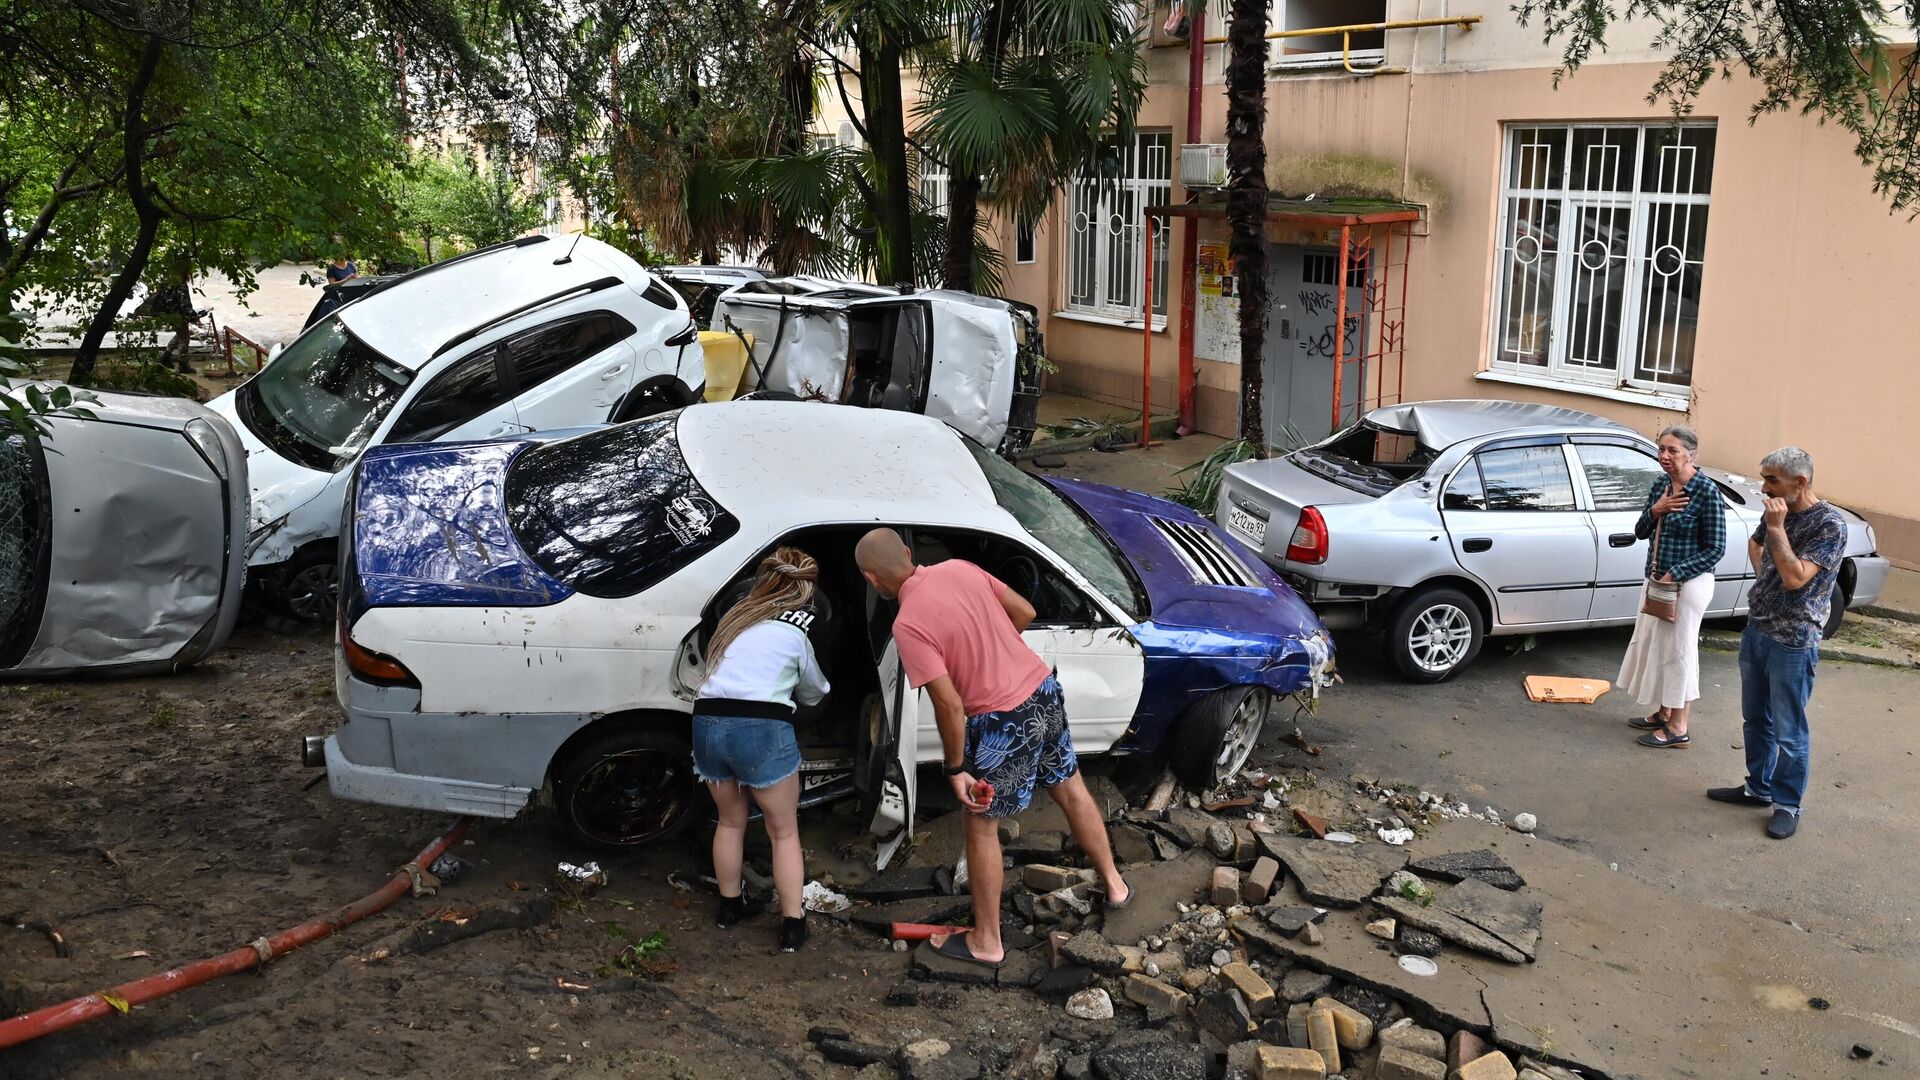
column 1440, row 424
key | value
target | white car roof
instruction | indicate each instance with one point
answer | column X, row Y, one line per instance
column 1440, row 424
column 410, row 320
column 806, row 462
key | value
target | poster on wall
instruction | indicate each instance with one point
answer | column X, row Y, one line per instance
column 1216, row 325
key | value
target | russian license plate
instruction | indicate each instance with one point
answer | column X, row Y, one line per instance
column 1247, row 525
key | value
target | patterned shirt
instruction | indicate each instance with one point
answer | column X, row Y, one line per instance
column 1691, row 540
column 1796, row 617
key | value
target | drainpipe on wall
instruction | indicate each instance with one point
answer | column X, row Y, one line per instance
column 1190, row 228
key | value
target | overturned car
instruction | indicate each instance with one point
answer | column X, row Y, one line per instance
column 971, row 361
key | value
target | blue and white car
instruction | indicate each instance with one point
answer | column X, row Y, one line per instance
column 525, row 618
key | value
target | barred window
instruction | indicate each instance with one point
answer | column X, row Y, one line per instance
column 1106, row 228
column 1601, row 251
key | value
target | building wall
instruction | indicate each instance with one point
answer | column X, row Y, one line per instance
column 1806, row 272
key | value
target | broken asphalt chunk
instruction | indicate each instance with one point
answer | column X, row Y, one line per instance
column 1335, row 875
column 1476, row 916
column 898, row 883
column 1482, row 865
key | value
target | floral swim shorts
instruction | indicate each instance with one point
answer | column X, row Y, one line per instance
column 1017, row 748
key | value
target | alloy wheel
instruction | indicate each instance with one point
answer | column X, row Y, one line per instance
column 1440, row 637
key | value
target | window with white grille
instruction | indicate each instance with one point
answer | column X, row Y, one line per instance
column 1602, row 244
column 933, row 184
column 1106, row 228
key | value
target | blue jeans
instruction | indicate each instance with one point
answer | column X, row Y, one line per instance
column 758, row 753
column 1775, row 683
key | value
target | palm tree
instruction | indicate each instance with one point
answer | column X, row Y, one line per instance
column 1018, row 100
column 1247, row 197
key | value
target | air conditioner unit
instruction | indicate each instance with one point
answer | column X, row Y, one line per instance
column 1203, row 165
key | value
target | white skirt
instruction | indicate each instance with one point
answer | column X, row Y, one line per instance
column 1662, row 665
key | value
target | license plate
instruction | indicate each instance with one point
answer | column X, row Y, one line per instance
column 1247, row 525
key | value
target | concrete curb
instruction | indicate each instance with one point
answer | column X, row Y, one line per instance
column 1728, row 641
column 1896, row 614
column 1163, row 427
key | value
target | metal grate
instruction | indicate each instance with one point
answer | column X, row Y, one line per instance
column 1106, row 228
column 1206, row 558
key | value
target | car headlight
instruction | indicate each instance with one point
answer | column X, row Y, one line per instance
column 206, row 440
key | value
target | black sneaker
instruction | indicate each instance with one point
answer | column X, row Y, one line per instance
column 1738, row 795
column 1783, row 825
column 735, row 909
column 793, row 934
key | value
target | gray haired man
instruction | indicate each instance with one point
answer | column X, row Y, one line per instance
column 1796, row 555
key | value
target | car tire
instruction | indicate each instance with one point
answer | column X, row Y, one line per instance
column 651, row 399
column 628, row 787
column 309, row 587
column 1412, row 645
column 1836, row 612
column 1216, row 734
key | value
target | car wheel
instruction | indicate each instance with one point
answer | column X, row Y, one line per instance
column 1216, row 735
column 310, row 588
column 1836, row 613
column 628, row 787
column 651, row 399
column 1434, row 633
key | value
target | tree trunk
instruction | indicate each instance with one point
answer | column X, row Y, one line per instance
column 134, row 136
column 1247, row 198
column 963, row 213
column 887, row 136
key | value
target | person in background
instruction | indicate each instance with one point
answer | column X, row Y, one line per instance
column 1796, row 555
column 1002, row 719
column 1687, row 518
column 341, row 270
column 743, row 738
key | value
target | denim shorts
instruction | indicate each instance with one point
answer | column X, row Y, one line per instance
column 757, row 753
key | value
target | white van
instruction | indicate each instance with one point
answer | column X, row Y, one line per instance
column 531, row 335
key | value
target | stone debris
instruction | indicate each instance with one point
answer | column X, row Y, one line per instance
column 1396, row 837
column 1409, row 1036
column 1259, row 881
column 856, row 1054
column 1291, row 919
column 1419, row 942
column 1256, row 991
column 1493, row 1065
column 1382, row 928
column 1323, row 1038
column 1132, row 844
column 898, row 883
column 1525, row 823
column 1091, row 950
column 1091, row 1004
column 1064, row 981
column 1396, row 1063
column 1312, row 935
column 1543, row 1071
column 1222, row 1013
column 1313, row 823
column 1162, row 1002
column 1353, row 1028
column 1330, row 874
column 1156, row 1059
column 1047, row 878
column 1476, row 916
column 1036, row 847
column 1289, row 1063
column 1482, row 865
column 1465, row 1046
column 1301, row 985
column 1226, row 886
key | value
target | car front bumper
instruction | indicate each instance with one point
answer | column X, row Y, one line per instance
column 1869, row 578
column 389, row 787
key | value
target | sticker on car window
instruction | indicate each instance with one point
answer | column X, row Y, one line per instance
column 690, row 518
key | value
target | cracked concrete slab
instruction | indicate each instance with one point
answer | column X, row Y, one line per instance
column 1477, row 916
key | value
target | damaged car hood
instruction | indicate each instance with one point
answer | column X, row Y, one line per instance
column 281, row 488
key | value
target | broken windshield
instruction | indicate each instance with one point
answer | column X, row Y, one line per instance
column 1054, row 521
column 1367, row 458
column 320, row 401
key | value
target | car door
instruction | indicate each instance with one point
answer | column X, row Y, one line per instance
column 1099, row 664
column 468, row 399
column 1618, row 476
column 1515, row 524
column 571, row 371
column 893, row 766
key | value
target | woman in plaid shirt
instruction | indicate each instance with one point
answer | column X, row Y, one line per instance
column 1662, row 666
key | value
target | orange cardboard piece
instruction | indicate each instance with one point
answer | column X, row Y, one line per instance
column 1564, row 690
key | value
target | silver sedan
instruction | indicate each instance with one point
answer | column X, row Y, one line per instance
column 1439, row 523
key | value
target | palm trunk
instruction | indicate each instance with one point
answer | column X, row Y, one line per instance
column 963, row 214
column 1247, row 198
column 134, row 136
column 887, row 137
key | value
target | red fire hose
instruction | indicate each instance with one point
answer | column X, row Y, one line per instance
column 68, row 1014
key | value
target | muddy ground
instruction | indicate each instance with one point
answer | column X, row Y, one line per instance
column 155, row 822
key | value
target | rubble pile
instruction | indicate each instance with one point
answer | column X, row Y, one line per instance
column 1214, row 961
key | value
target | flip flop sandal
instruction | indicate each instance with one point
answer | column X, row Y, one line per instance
column 1643, row 723
column 1107, row 904
column 955, row 947
column 1671, row 742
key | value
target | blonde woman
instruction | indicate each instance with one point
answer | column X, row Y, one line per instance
column 743, row 740
column 1686, row 518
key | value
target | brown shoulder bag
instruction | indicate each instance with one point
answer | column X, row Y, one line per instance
column 1661, row 598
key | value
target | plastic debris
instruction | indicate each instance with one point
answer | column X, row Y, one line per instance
column 587, row 874
column 818, row 898
column 1342, row 838
column 1396, row 837
column 448, row 868
column 1418, row 965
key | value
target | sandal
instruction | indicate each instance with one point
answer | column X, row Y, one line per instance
column 1107, row 903
column 955, row 948
column 1670, row 741
column 1646, row 723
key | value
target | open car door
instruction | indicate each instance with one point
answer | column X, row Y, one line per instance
column 893, row 758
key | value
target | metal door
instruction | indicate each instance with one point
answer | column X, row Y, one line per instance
column 1298, row 359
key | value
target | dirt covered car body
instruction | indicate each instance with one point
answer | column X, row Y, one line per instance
column 520, row 617
column 121, row 539
column 970, row 361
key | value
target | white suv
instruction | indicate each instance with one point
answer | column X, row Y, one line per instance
column 535, row 334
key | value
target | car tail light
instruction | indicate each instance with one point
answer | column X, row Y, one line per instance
column 1309, row 541
column 373, row 667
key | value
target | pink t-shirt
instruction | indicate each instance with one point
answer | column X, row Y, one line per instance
column 951, row 623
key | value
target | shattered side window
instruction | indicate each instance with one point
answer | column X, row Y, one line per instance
column 24, row 547
column 615, row 512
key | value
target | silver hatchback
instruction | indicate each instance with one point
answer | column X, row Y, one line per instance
column 1439, row 523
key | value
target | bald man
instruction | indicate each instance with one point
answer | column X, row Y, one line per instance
column 1000, row 713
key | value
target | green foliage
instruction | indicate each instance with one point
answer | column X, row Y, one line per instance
column 1201, row 491
column 1830, row 58
column 146, row 376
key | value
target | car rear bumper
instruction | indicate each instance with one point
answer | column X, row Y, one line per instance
column 388, row 787
column 1869, row 577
